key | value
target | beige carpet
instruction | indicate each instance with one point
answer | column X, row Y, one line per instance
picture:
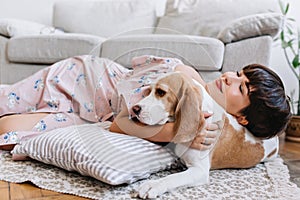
column 265, row 181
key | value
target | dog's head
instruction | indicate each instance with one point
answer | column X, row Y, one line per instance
column 173, row 98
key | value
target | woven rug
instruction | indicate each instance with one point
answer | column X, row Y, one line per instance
column 265, row 181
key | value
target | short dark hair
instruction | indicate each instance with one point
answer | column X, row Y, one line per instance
column 269, row 111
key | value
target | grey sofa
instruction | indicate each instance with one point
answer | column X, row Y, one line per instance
column 212, row 36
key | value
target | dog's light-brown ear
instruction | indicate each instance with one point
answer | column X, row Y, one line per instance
column 189, row 118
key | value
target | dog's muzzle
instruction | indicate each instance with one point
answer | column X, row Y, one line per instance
column 150, row 114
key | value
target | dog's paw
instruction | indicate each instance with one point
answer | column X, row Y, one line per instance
column 151, row 189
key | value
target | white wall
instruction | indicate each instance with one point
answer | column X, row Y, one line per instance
column 35, row 10
column 278, row 61
column 41, row 11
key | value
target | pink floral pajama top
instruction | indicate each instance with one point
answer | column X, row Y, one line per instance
column 78, row 90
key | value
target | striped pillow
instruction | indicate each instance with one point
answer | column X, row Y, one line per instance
column 93, row 151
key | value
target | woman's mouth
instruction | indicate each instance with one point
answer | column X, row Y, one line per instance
column 219, row 84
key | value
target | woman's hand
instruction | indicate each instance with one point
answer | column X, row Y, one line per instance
column 207, row 136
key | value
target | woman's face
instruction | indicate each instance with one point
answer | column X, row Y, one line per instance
column 230, row 91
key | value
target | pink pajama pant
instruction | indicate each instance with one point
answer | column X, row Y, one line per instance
column 73, row 91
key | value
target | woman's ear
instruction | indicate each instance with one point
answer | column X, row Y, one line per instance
column 242, row 120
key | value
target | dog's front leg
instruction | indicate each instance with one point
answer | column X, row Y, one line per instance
column 191, row 177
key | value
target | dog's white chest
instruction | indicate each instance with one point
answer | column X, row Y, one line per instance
column 192, row 157
column 211, row 106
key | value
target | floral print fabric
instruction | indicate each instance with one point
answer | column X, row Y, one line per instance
column 74, row 91
column 81, row 89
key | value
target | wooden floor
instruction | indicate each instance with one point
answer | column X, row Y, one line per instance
column 289, row 151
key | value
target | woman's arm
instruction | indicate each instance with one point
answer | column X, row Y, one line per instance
column 190, row 72
column 154, row 133
column 162, row 133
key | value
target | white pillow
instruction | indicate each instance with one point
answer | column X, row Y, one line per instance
column 17, row 27
column 252, row 26
column 93, row 151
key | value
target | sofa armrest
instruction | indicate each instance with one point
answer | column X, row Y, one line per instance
column 3, row 45
column 16, row 27
column 252, row 26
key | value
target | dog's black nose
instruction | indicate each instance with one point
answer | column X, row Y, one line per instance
column 136, row 109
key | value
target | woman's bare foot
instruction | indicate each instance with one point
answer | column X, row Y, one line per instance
column 8, row 147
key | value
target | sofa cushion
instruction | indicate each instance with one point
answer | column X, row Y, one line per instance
column 237, row 56
column 206, row 18
column 251, row 26
column 47, row 49
column 15, row 27
column 105, row 17
column 203, row 53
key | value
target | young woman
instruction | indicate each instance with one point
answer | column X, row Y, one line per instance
column 255, row 96
column 83, row 89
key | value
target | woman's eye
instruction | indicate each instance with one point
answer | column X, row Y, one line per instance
column 160, row 92
column 241, row 89
column 238, row 73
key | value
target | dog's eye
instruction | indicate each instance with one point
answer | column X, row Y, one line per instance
column 147, row 92
column 160, row 92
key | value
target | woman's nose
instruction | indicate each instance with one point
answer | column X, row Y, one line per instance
column 230, row 77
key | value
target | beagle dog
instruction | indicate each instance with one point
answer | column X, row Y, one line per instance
column 176, row 98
